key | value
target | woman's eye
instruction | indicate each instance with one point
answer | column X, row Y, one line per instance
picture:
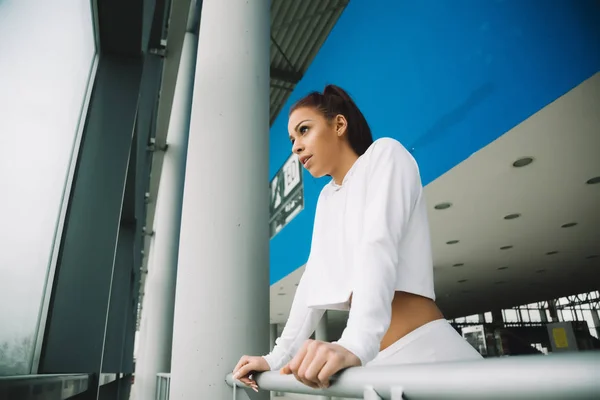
column 303, row 129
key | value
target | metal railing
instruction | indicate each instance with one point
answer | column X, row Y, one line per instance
column 556, row 376
column 163, row 385
column 46, row 386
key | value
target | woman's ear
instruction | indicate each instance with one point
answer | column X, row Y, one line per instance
column 341, row 125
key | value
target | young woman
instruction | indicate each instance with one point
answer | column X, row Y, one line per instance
column 370, row 254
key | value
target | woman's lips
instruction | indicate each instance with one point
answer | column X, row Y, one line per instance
column 306, row 161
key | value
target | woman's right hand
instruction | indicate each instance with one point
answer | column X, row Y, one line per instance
column 246, row 367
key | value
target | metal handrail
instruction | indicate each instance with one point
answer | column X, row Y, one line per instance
column 556, row 376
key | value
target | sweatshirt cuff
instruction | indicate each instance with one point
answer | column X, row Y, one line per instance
column 276, row 362
column 355, row 349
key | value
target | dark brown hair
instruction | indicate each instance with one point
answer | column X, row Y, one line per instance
column 335, row 101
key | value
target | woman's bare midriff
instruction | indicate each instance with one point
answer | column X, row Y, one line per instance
column 409, row 312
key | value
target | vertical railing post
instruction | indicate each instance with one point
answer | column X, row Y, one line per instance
column 273, row 337
column 321, row 334
column 222, row 296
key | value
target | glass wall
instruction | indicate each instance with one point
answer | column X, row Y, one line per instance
column 583, row 307
column 48, row 51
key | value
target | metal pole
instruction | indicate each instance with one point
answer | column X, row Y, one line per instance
column 321, row 331
column 564, row 376
column 272, row 335
column 321, row 334
column 222, row 297
column 159, row 298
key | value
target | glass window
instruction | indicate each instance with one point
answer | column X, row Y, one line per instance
column 535, row 316
column 472, row 318
column 510, row 315
column 48, row 49
column 488, row 317
column 567, row 315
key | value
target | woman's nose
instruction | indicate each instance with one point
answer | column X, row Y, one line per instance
column 297, row 148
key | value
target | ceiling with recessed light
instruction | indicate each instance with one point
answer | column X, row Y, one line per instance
column 519, row 220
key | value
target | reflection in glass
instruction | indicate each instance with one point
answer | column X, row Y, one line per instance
column 47, row 53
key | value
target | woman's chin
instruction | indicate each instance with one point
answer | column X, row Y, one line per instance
column 316, row 173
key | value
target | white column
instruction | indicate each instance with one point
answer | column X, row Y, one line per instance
column 222, row 299
column 159, row 298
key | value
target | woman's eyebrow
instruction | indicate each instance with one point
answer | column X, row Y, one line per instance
column 299, row 123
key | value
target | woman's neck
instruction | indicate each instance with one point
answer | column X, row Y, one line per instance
column 347, row 160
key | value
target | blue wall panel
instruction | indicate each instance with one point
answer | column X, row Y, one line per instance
column 445, row 78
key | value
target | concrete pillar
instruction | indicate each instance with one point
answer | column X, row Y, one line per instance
column 222, row 297
column 159, row 299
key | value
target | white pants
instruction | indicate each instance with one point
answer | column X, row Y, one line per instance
column 436, row 341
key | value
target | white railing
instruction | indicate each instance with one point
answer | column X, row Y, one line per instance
column 556, row 376
column 163, row 385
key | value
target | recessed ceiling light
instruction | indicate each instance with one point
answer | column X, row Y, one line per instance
column 281, row 294
column 522, row 162
column 569, row 225
column 458, row 265
column 452, row 241
column 551, row 253
column 443, row 206
column 463, row 281
column 280, row 313
column 592, row 257
column 295, row 284
column 502, row 268
column 506, row 247
column 539, row 271
column 512, row 216
column 593, row 181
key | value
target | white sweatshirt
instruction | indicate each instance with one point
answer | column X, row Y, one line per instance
column 370, row 239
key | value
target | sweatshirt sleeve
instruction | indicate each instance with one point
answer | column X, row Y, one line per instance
column 303, row 320
column 298, row 328
column 392, row 190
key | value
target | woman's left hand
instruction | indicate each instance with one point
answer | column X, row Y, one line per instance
column 317, row 361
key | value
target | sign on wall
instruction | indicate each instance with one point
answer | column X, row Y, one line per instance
column 287, row 194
